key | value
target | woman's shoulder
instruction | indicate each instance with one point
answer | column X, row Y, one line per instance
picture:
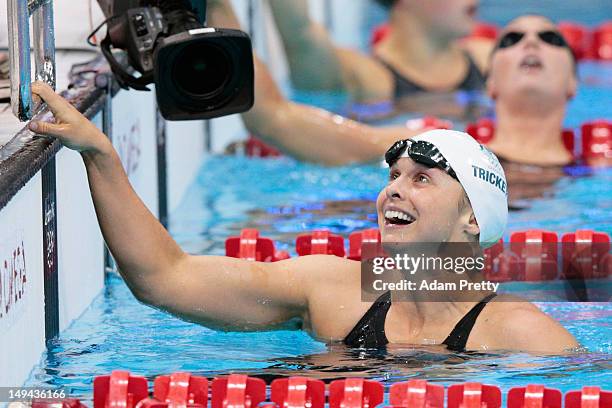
column 513, row 323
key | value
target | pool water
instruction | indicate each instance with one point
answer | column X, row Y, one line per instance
column 118, row 332
column 283, row 198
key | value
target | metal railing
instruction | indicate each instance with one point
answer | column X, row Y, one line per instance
column 19, row 12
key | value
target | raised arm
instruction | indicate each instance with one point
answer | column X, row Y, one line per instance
column 313, row 134
column 215, row 291
column 314, row 61
column 312, row 56
column 303, row 131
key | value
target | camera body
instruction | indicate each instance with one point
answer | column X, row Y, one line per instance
column 198, row 72
column 137, row 31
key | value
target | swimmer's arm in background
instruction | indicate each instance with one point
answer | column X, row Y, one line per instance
column 312, row 58
column 216, row 291
column 313, row 134
column 303, row 131
column 316, row 63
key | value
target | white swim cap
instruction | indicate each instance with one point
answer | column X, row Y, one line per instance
column 481, row 176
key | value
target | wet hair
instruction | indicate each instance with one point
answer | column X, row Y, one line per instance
column 386, row 3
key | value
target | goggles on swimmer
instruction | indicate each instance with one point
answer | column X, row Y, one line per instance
column 550, row 37
column 421, row 152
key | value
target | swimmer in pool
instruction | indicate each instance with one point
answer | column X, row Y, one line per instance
column 531, row 80
column 421, row 54
column 432, row 195
column 532, row 77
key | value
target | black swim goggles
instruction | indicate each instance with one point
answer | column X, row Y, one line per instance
column 421, row 152
column 550, row 37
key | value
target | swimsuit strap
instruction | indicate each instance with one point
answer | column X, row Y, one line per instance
column 474, row 79
column 403, row 85
column 457, row 339
column 369, row 332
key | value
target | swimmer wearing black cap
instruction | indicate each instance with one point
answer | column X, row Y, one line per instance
column 429, row 182
column 531, row 79
column 421, row 54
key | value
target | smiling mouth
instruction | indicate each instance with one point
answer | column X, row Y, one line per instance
column 398, row 218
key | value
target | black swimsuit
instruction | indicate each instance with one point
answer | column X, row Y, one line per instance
column 370, row 330
column 473, row 81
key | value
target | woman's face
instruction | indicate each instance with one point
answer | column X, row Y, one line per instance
column 531, row 64
column 421, row 204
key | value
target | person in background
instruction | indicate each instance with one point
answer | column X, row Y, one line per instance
column 303, row 131
column 422, row 52
column 532, row 77
column 531, row 80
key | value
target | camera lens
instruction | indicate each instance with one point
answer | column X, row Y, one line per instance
column 204, row 73
column 202, row 70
